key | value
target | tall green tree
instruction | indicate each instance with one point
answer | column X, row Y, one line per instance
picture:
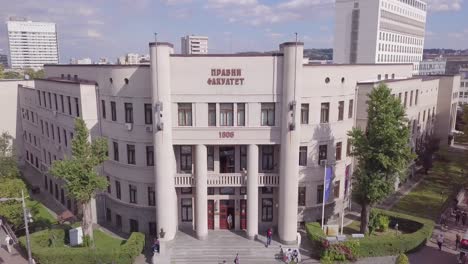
column 12, row 75
column 382, row 151
column 8, row 165
column 79, row 171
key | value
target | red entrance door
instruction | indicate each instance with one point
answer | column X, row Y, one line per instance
column 223, row 206
column 210, row 214
column 243, row 214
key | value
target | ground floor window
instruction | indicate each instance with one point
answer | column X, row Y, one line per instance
column 133, row 225
column 152, row 228
column 118, row 221
column 227, row 190
column 108, row 215
column 267, row 209
column 302, row 196
column 186, row 206
column 46, row 182
column 320, row 194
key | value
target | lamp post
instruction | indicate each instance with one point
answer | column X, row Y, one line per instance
column 27, row 218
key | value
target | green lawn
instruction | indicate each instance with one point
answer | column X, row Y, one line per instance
column 40, row 213
column 103, row 240
column 428, row 198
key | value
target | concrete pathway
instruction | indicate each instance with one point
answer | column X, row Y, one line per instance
column 15, row 256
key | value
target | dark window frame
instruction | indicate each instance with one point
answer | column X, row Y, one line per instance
column 128, row 113
column 303, row 156
column 132, row 191
column 267, row 209
column 131, row 154
column 149, row 156
column 148, row 114
column 304, row 114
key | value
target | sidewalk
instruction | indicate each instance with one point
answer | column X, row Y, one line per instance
column 14, row 257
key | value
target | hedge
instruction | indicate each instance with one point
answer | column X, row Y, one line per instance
column 44, row 251
column 372, row 246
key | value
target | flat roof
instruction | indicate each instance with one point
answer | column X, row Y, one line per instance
column 71, row 81
column 98, row 65
column 389, row 80
column 359, row 64
column 276, row 54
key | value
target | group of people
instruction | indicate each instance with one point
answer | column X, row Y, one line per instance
column 290, row 255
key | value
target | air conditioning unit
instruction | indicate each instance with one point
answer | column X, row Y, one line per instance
column 149, row 128
column 54, row 112
column 129, row 126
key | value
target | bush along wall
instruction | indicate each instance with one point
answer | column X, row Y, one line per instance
column 419, row 230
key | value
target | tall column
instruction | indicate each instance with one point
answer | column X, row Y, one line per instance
column 290, row 136
column 252, row 191
column 164, row 169
column 201, row 199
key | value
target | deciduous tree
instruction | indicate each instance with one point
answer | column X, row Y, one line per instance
column 79, row 171
column 382, row 151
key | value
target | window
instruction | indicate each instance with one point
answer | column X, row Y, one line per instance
column 148, row 114
column 133, row 225
column 303, row 156
column 47, row 129
column 62, row 104
column 113, row 111
column 336, row 189
column 186, row 207
column 227, row 190
column 186, row 159
column 39, row 96
column 302, row 196
column 109, row 188
column 424, row 115
column 151, row 196
column 240, row 114
column 226, row 114
column 338, row 151
column 52, row 130
column 243, row 157
column 149, row 156
column 340, row 110
column 210, row 158
column 152, row 229
column 126, row 80
column 327, row 80
column 108, row 215
column 133, row 193
column 386, row 76
column 379, row 77
column 44, row 97
column 77, row 107
column 58, row 134
column 103, row 107
column 304, row 113
column 350, row 108
column 117, row 190
column 322, row 153
column 131, row 154
column 416, row 97
column 268, row 114
column 116, row 150
column 267, row 158
column 69, row 105
column 50, row 100
column 324, row 112
column 118, row 221
column 185, row 114
column 211, row 114
column 42, row 127
column 406, row 99
column 65, row 140
column 128, row 112
column 320, row 194
column 267, row 209
column 56, row 102
column 411, row 99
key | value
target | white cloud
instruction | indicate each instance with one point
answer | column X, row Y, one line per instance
column 444, row 5
column 92, row 33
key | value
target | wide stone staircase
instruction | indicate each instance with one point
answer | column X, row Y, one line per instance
column 221, row 246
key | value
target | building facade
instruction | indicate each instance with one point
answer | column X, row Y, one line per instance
column 463, row 94
column 195, row 140
column 4, row 60
column 431, row 67
column 379, row 31
column 194, row 45
column 32, row 44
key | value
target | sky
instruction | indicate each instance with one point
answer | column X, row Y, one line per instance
column 112, row 28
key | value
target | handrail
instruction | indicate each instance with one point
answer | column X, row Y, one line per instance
column 6, row 226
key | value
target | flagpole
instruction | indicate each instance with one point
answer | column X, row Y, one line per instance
column 324, row 190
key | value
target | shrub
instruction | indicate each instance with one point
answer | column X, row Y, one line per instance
column 48, row 247
column 402, row 259
column 378, row 221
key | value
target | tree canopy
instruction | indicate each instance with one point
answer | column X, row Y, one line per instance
column 382, row 151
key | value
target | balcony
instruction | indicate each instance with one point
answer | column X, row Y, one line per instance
column 228, row 179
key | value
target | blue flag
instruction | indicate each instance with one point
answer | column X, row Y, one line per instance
column 328, row 182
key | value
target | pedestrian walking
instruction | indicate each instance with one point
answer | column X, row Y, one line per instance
column 463, row 217
column 457, row 241
column 299, row 238
column 457, row 217
column 269, row 236
column 8, row 242
column 440, row 241
column 236, row 260
column 229, row 221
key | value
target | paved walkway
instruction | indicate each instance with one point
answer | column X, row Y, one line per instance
column 14, row 257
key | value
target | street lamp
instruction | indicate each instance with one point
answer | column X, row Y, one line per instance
column 27, row 218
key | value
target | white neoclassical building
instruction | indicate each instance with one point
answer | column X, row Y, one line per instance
column 195, row 140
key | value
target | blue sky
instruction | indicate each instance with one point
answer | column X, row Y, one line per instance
column 110, row 28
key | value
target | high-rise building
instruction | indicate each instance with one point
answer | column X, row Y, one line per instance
column 32, row 44
column 194, row 45
column 379, row 31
